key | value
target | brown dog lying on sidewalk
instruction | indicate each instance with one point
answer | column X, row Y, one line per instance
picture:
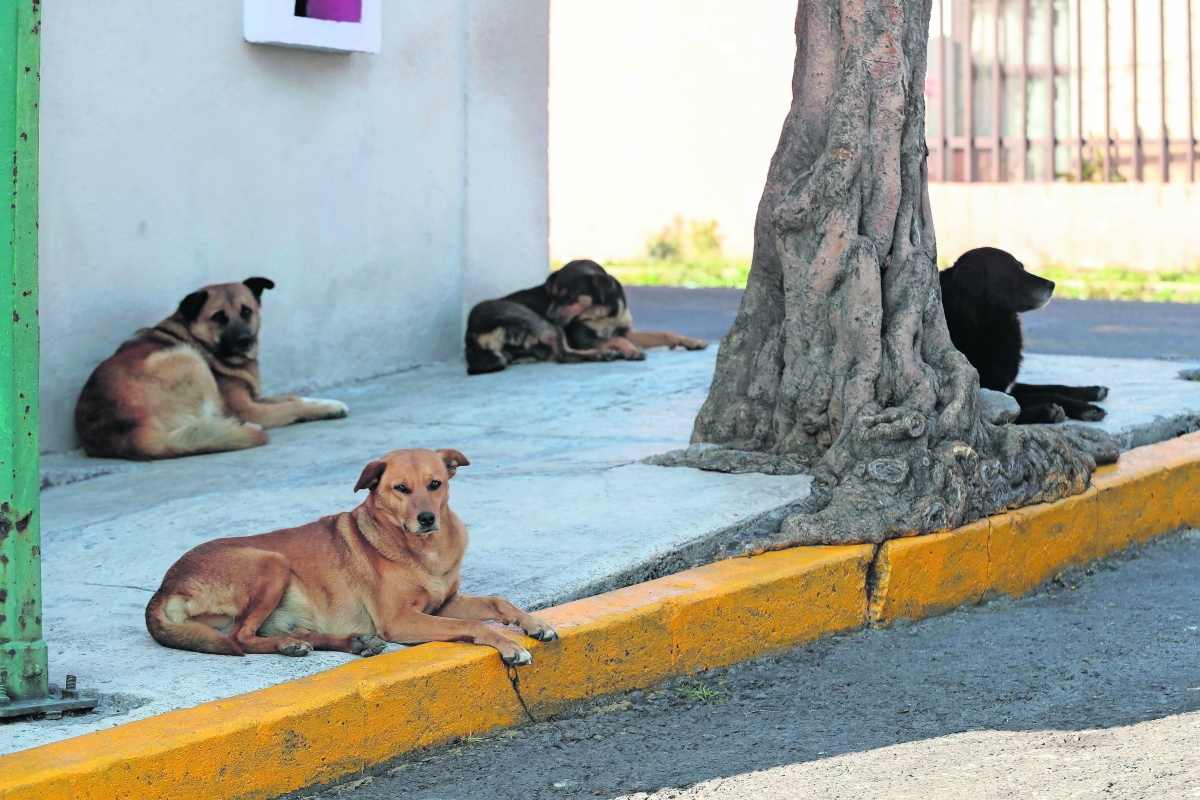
column 190, row 384
column 388, row 571
column 578, row 314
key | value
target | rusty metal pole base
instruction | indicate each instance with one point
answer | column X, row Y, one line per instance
column 50, row 707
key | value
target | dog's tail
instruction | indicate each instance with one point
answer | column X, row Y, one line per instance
column 168, row 623
column 210, row 431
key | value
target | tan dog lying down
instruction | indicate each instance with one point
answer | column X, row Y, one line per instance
column 190, row 384
column 388, row 571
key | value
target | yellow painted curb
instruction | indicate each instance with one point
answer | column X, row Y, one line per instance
column 327, row 726
column 711, row 616
column 925, row 575
column 339, row 722
column 1150, row 491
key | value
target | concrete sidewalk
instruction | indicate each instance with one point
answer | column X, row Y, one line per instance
column 556, row 503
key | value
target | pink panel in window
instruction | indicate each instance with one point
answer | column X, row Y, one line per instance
column 335, row 10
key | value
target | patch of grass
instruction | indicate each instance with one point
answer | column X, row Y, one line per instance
column 1119, row 283
column 684, row 255
column 705, row 272
column 702, row 693
column 1102, row 283
column 689, row 255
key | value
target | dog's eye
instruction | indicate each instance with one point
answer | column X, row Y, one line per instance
column 434, row 485
column 246, row 312
column 402, row 489
column 220, row 318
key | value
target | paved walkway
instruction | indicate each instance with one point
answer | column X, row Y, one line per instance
column 555, row 501
column 557, row 505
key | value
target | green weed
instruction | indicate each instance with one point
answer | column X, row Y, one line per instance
column 673, row 243
column 702, row 693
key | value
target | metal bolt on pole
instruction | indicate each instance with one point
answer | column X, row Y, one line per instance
column 24, row 675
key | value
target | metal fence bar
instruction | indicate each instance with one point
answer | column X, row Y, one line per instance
column 969, row 97
column 23, row 669
column 1051, row 74
column 997, row 76
column 1107, row 101
column 1191, row 125
column 1133, row 68
column 1078, row 90
column 1164, row 145
column 1024, row 169
column 944, row 105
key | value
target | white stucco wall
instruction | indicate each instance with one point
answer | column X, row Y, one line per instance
column 373, row 189
column 508, row 130
column 1141, row 226
column 663, row 108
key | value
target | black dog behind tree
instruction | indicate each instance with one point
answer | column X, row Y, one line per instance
column 578, row 314
column 982, row 294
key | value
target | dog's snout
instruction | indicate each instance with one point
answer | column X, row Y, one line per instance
column 237, row 340
column 426, row 518
column 1047, row 291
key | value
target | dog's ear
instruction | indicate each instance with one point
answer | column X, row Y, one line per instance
column 370, row 476
column 612, row 294
column 257, row 285
column 453, row 460
column 970, row 275
column 189, row 309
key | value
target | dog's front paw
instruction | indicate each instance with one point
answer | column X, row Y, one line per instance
column 295, row 649
column 688, row 343
column 538, row 629
column 366, row 645
column 1101, row 392
column 327, row 409
column 254, row 435
column 513, row 654
column 1044, row 414
column 1093, row 414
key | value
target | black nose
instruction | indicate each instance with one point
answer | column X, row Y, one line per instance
column 426, row 518
column 244, row 340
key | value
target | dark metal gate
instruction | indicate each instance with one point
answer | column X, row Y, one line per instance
column 1041, row 90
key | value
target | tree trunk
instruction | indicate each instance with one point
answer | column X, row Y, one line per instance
column 839, row 363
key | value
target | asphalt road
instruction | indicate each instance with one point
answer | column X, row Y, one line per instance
column 1065, row 327
column 1088, row 687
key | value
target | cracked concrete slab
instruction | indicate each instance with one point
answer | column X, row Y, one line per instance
column 556, row 501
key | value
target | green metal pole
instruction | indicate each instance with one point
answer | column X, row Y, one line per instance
column 23, row 668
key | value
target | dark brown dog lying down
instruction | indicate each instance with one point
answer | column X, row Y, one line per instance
column 579, row 314
column 388, row 571
column 190, row 384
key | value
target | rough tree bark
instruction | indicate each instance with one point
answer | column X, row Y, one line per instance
column 839, row 363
